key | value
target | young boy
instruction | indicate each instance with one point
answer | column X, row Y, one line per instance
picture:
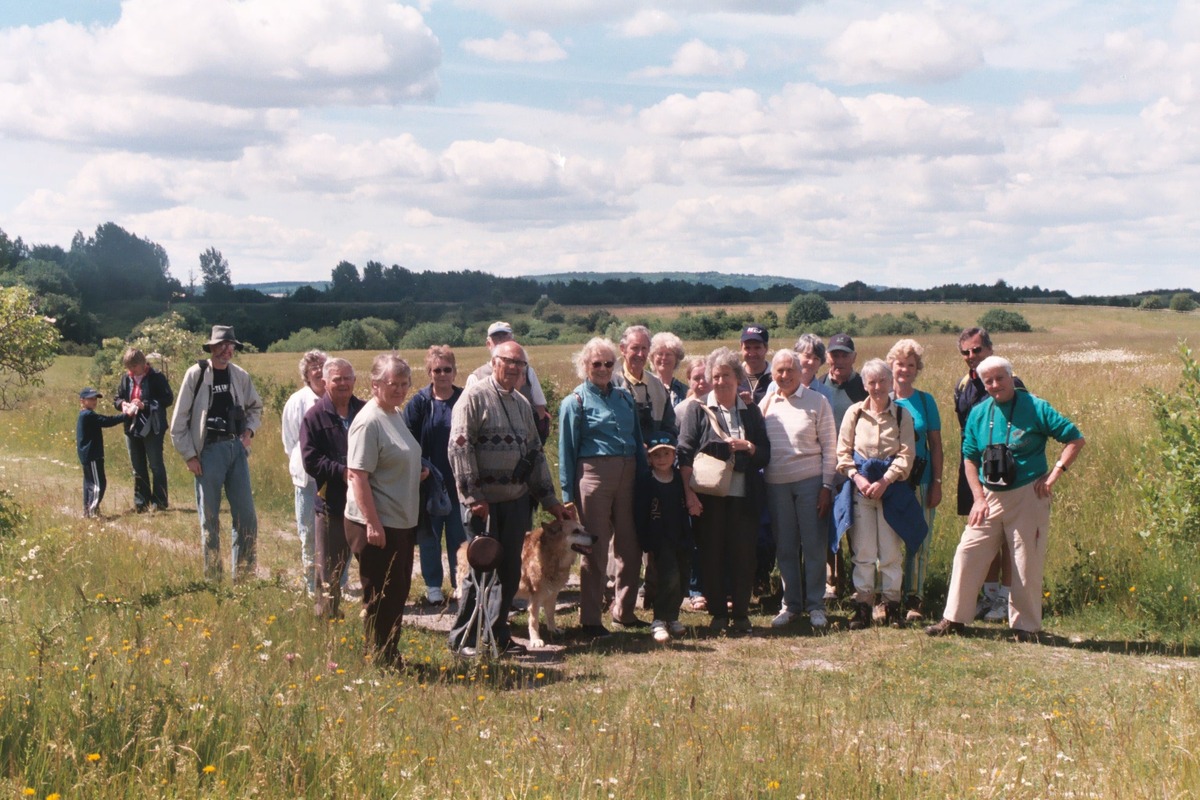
column 665, row 529
column 89, row 441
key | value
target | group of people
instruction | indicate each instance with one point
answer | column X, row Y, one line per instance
column 681, row 481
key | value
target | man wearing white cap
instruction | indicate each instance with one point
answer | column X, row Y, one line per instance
column 498, row 333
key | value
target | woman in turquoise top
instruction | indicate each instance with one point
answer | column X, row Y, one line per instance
column 906, row 358
column 599, row 453
column 1004, row 449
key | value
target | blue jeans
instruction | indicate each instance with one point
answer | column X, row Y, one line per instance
column 306, row 523
column 225, row 465
column 149, row 471
column 429, row 541
column 800, row 535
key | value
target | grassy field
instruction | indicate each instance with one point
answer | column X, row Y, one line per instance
column 122, row 675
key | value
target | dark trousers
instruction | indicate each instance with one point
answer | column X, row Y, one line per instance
column 329, row 563
column 727, row 533
column 509, row 521
column 386, row 576
column 673, row 563
column 94, row 484
column 149, row 471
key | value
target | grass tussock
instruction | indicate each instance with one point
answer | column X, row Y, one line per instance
column 123, row 674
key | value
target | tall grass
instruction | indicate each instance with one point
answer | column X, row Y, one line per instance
column 123, row 675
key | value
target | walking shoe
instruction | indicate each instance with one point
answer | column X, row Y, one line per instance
column 1032, row 637
column 914, row 612
column 783, row 618
column 631, row 623
column 999, row 610
column 434, row 596
column 658, row 629
column 718, row 624
column 945, row 627
column 742, row 625
column 862, row 617
column 676, row 628
column 594, row 632
column 816, row 618
column 893, row 615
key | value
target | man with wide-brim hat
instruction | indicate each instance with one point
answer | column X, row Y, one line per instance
column 217, row 411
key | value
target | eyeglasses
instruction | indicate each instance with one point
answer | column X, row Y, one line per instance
column 972, row 351
column 602, row 364
column 442, row 370
column 514, row 362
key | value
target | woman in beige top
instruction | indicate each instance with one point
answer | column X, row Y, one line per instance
column 874, row 431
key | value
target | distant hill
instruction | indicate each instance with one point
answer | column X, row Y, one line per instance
column 280, row 288
column 718, row 279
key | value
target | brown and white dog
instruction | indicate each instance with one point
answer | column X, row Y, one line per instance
column 546, row 560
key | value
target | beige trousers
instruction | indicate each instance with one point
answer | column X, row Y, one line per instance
column 1021, row 518
column 606, row 511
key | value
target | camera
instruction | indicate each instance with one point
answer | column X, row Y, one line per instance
column 235, row 425
column 999, row 466
column 524, row 467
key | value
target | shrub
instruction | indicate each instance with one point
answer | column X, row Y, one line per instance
column 1182, row 301
column 1151, row 302
column 306, row 339
column 999, row 320
column 427, row 334
column 807, row 310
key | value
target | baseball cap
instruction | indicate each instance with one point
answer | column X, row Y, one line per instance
column 660, row 439
column 89, row 393
column 755, row 333
column 841, row 341
column 499, row 327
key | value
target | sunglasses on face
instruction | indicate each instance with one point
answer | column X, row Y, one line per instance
column 442, row 370
column 972, row 351
column 602, row 364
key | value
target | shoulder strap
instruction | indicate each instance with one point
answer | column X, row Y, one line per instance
column 716, row 424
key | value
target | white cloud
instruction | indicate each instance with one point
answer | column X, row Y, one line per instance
column 901, row 46
column 648, row 22
column 698, row 58
column 195, row 75
column 534, row 47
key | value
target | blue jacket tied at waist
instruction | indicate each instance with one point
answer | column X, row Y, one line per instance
column 901, row 508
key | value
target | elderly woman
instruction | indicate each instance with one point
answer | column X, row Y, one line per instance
column 383, row 466
column 599, row 453
column 143, row 396
column 311, row 365
column 666, row 353
column 726, row 528
column 1004, row 448
column 875, row 453
column 427, row 416
column 906, row 359
column 799, row 481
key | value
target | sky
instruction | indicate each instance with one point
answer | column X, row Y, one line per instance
column 1042, row 142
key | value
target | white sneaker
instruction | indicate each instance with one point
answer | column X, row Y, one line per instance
column 676, row 628
column 999, row 610
column 658, row 629
column 817, row 619
column 783, row 618
column 434, row 596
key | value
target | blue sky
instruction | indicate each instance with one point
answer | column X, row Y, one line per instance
column 904, row 143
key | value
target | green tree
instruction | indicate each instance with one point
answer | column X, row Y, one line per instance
column 1182, row 301
column 807, row 310
column 1151, row 302
column 168, row 342
column 999, row 320
column 215, row 275
column 28, row 343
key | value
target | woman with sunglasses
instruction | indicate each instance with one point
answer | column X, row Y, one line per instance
column 599, row 452
column 427, row 416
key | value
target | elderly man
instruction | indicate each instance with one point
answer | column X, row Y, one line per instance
column 498, row 333
column 216, row 414
column 323, row 447
column 653, row 403
column 498, row 467
column 847, row 388
column 1004, row 447
column 975, row 344
column 143, row 396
